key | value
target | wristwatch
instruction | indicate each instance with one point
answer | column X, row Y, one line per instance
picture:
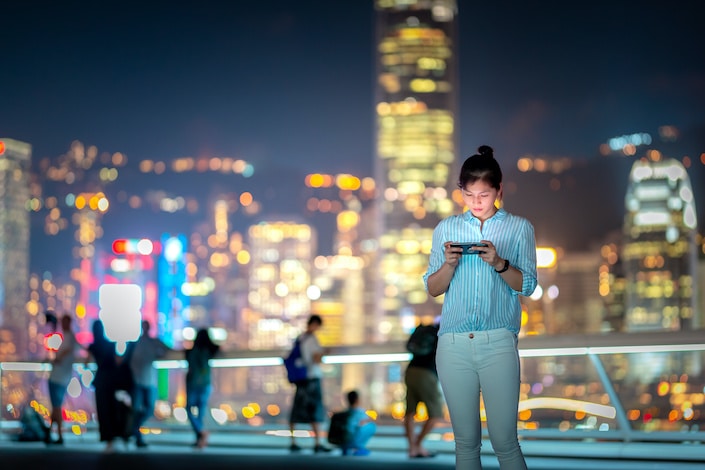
column 504, row 268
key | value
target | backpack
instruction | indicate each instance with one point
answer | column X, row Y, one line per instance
column 422, row 341
column 338, row 433
column 296, row 370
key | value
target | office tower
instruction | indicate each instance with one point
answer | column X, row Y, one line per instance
column 659, row 251
column 416, row 148
column 577, row 306
column 279, row 280
column 15, row 158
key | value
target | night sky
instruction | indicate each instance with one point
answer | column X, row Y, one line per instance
column 289, row 85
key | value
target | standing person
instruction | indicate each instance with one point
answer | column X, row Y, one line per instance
column 421, row 380
column 105, row 384
column 198, row 383
column 146, row 350
column 481, row 314
column 59, row 378
column 360, row 426
column 308, row 400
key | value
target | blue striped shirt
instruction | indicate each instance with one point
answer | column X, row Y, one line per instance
column 477, row 298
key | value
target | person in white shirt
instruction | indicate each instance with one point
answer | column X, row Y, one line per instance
column 308, row 400
column 59, row 378
column 146, row 350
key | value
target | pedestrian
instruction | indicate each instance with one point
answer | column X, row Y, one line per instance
column 360, row 427
column 481, row 314
column 422, row 386
column 145, row 351
column 59, row 378
column 198, row 383
column 307, row 407
column 111, row 377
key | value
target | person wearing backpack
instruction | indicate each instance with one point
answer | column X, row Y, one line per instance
column 421, row 380
column 307, row 407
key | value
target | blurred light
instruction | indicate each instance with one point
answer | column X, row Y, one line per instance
column 53, row 341
column 546, row 257
column 120, row 312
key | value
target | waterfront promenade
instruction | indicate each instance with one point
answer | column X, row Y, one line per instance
column 245, row 451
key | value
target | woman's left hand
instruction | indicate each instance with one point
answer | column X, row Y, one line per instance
column 489, row 254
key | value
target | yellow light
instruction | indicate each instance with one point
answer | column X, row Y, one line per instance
column 545, row 257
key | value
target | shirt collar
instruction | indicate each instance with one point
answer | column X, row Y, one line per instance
column 499, row 215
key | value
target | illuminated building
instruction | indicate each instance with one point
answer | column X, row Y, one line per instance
column 659, row 252
column 15, row 158
column 172, row 304
column 577, row 307
column 416, row 147
column 282, row 255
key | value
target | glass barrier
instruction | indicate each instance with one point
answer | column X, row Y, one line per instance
column 654, row 391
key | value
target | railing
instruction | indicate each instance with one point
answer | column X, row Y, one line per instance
column 632, row 393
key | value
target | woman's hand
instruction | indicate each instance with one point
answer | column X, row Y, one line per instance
column 489, row 255
column 452, row 254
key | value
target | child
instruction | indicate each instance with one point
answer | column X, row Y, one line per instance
column 360, row 427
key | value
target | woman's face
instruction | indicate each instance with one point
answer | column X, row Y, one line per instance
column 479, row 197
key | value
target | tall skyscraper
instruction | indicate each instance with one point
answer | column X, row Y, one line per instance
column 282, row 255
column 416, row 152
column 15, row 158
column 660, row 250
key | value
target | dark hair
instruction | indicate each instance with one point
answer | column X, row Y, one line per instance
column 353, row 397
column 203, row 341
column 481, row 166
column 315, row 319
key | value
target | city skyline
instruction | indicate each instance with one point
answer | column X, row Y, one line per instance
column 282, row 97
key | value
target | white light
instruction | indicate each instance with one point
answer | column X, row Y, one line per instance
column 173, row 249
column 281, row 289
column 313, row 292
column 537, row 294
column 219, row 416
column 180, row 415
column 145, row 247
column 74, row 388
column 567, row 404
column 553, row 292
column 365, row 358
column 120, row 311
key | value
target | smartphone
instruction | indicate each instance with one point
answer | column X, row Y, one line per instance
column 469, row 248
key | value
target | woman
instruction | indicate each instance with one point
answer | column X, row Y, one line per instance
column 481, row 315
column 198, row 383
column 110, row 375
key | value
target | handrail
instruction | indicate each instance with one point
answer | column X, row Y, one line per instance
column 592, row 346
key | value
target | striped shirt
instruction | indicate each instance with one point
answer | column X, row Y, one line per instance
column 477, row 298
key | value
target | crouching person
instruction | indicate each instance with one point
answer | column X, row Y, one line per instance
column 360, row 428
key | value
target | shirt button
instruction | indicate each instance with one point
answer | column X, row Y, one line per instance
column 471, row 336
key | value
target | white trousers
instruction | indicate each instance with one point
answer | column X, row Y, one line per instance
column 482, row 361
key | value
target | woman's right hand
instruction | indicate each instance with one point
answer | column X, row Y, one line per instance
column 452, row 254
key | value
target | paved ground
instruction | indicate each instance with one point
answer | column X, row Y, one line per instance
column 245, row 452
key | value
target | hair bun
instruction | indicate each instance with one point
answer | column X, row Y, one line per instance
column 485, row 150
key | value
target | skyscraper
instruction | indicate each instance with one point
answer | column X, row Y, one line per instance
column 279, row 279
column 660, row 251
column 416, row 152
column 15, row 158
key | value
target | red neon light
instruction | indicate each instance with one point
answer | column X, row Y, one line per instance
column 120, row 246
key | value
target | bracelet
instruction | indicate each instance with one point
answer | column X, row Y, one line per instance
column 504, row 268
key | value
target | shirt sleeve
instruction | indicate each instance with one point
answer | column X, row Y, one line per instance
column 309, row 347
column 525, row 258
column 437, row 256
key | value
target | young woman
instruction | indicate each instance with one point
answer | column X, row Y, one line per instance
column 481, row 315
column 198, row 383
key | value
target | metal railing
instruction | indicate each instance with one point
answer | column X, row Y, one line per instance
column 637, row 395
